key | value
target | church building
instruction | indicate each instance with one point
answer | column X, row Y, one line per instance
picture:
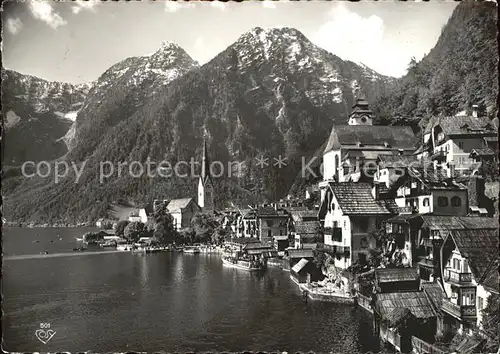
column 351, row 146
column 205, row 184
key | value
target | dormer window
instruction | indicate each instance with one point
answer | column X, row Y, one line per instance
column 359, row 144
column 386, row 144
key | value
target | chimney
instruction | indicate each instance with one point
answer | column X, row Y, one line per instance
column 475, row 110
column 376, row 190
column 475, row 190
column 451, row 166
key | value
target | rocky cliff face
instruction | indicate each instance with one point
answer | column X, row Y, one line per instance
column 37, row 113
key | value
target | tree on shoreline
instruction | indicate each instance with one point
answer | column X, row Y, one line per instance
column 120, row 227
column 134, row 231
column 164, row 231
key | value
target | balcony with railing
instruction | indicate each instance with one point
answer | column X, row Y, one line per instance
column 462, row 312
column 452, row 275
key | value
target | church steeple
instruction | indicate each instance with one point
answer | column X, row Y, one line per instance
column 205, row 164
column 361, row 114
column 205, row 186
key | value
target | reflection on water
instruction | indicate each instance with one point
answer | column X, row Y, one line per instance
column 172, row 302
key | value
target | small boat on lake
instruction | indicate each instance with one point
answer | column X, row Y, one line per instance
column 248, row 265
column 191, row 249
column 79, row 238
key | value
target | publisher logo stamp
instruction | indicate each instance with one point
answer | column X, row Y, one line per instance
column 44, row 334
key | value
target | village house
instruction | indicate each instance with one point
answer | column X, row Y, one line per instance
column 350, row 147
column 250, row 224
column 304, row 228
column 146, row 213
column 182, row 210
column 272, row 221
column 134, row 216
column 349, row 212
column 427, row 191
column 469, row 258
column 450, row 140
column 401, row 317
column 421, row 237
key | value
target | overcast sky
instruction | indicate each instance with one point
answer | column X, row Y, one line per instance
column 77, row 41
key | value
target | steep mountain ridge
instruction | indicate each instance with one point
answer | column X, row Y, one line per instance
column 37, row 113
column 122, row 90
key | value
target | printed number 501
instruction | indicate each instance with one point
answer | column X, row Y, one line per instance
column 44, row 325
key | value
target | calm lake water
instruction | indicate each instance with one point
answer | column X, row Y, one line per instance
column 160, row 302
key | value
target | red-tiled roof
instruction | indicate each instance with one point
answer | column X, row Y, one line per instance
column 357, row 198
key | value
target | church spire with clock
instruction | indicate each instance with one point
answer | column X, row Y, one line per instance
column 205, row 184
column 361, row 113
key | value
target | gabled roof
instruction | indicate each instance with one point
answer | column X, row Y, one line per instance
column 357, row 199
column 396, row 137
column 435, row 293
column 465, row 125
column 417, row 302
column 306, row 227
column 436, row 222
column 393, row 161
column 176, row 205
column 389, row 275
column 490, row 278
column 299, row 215
column 482, row 152
column 480, row 247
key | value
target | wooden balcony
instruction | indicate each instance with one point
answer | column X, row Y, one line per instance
column 451, row 275
column 462, row 312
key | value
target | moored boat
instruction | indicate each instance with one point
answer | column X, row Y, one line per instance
column 248, row 265
column 124, row 247
column 191, row 249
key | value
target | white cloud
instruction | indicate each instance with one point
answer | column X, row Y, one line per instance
column 353, row 37
column 174, row 6
column 219, row 5
column 84, row 5
column 42, row 10
column 268, row 4
column 14, row 25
